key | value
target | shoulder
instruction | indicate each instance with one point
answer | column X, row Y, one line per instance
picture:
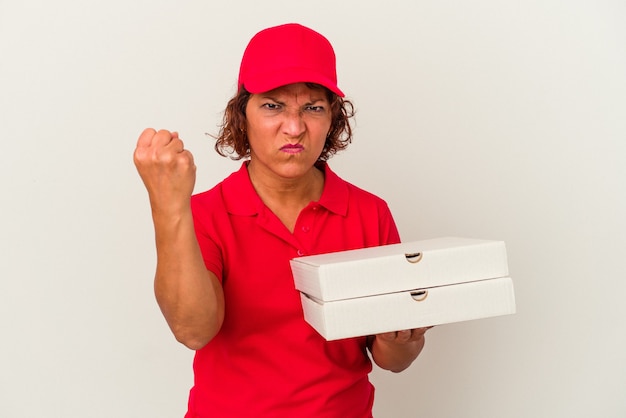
column 364, row 195
column 354, row 193
column 363, row 211
column 234, row 194
column 208, row 197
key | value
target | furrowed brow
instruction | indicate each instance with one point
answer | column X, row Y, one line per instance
column 274, row 99
column 314, row 101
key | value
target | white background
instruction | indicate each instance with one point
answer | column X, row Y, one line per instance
column 485, row 119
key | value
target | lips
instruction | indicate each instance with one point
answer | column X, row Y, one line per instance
column 292, row 148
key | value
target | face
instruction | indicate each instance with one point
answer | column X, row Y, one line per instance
column 287, row 129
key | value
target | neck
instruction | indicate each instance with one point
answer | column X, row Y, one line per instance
column 268, row 185
column 286, row 197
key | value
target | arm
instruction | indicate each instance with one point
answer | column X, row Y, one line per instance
column 395, row 351
column 190, row 297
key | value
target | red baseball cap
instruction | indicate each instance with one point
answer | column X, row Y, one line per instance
column 288, row 54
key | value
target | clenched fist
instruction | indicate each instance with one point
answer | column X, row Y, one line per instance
column 167, row 170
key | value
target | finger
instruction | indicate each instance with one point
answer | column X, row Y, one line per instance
column 404, row 335
column 189, row 157
column 176, row 145
column 162, row 138
column 387, row 336
column 145, row 139
column 418, row 333
column 185, row 159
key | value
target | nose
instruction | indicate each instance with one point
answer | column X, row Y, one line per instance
column 294, row 125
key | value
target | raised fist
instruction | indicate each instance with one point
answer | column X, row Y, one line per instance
column 166, row 168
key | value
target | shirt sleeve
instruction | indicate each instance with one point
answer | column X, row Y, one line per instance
column 210, row 249
column 388, row 230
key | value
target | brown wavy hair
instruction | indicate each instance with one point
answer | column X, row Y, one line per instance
column 232, row 140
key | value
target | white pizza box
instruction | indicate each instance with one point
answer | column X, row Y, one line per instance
column 398, row 267
column 403, row 286
column 410, row 309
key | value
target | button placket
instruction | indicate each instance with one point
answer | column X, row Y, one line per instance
column 303, row 231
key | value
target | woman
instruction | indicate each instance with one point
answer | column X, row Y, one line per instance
column 223, row 279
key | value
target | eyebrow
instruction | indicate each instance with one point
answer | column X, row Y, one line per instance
column 274, row 99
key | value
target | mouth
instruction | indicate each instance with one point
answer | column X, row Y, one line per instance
column 292, row 148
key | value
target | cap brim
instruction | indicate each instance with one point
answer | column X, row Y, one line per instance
column 261, row 83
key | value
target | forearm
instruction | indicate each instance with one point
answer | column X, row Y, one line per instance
column 190, row 297
column 397, row 353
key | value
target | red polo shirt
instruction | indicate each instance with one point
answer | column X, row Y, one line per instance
column 266, row 361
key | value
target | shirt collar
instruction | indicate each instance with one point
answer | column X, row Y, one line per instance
column 335, row 194
column 241, row 199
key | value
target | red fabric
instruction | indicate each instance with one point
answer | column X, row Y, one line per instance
column 288, row 54
column 266, row 361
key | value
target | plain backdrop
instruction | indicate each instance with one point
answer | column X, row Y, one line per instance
column 486, row 119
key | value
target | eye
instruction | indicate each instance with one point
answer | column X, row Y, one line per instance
column 271, row 106
column 315, row 109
